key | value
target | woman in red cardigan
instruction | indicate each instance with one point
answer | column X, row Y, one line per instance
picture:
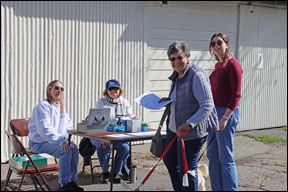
column 226, row 89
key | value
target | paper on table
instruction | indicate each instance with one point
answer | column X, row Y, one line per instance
column 146, row 133
column 151, row 101
column 120, row 136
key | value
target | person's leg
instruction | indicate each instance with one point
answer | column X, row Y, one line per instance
column 192, row 150
column 103, row 154
column 56, row 151
column 74, row 162
column 171, row 162
column 122, row 154
column 226, row 157
column 214, row 163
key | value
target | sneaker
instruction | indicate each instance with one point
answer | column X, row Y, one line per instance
column 116, row 178
column 76, row 186
column 105, row 178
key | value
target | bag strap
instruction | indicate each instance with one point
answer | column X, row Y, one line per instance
column 206, row 147
column 164, row 117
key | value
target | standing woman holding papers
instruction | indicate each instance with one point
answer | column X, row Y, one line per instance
column 120, row 107
column 192, row 115
column 48, row 134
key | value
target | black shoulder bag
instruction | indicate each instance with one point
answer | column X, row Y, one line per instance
column 158, row 141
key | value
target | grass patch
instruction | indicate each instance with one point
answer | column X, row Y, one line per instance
column 279, row 165
column 285, row 128
column 264, row 163
column 84, row 174
column 271, row 139
column 267, row 139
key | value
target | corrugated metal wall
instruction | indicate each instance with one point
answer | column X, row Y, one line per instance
column 83, row 44
column 190, row 21
column 264, row 91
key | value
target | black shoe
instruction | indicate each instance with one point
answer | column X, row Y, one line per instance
column 105, row 178
column 126, row 176
column 67, row 187
column 116, row 178
column 76, row 186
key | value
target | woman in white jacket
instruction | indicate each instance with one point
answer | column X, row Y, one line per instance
column 120, row 107
column 48, row 134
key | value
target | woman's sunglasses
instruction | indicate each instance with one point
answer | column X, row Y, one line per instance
column 174, row 58
column 213, row 43
column 113, row 88
column 59, row 88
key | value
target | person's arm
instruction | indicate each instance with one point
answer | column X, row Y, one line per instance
column 223, row 121
column 65, row 124
column 45, row 125
column 235, row 77
column 203, row 94
column 128, row 110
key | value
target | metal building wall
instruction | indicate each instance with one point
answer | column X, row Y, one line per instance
column 191, row 21
column 81, row 43
column 264, row 91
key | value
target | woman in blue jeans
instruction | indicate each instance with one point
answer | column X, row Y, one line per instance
column 120, row 107
column 226, row 88
column 48, row 134
column 192, row 115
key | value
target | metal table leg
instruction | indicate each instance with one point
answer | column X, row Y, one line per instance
column 112, row 172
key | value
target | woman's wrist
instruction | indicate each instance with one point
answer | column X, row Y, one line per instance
column 225, row 117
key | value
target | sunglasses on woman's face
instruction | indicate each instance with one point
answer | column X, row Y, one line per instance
column 213, row 43
column 59, row 88
column 174, row 58
column 113, row 88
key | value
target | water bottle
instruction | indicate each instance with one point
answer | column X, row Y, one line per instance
column 133, row 174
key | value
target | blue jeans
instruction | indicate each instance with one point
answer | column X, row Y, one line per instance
column 173, row 160
column 121, row 157
column 222, row 167
column 68, row 161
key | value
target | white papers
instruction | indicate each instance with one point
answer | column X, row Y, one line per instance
column 151, row 101
column 146, row 133
column 120, row 136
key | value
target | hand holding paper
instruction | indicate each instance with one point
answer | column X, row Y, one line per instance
column 151, row 101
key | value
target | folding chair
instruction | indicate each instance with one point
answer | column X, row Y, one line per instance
column 19, row 149
column 19, row 127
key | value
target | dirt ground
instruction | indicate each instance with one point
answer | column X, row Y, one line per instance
column 260, row 166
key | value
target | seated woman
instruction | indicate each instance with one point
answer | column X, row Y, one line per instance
column 48, row 134
column 120, row 107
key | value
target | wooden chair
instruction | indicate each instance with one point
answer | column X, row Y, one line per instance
column 20, row 127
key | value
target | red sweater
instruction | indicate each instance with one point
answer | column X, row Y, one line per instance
column 226, row 84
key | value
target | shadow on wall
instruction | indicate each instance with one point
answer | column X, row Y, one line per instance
column 101, row 12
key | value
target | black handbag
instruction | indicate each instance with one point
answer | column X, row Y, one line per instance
column 86, row 148
column 158, row 141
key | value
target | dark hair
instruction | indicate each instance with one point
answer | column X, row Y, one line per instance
column 226, row 40
column 179, row 46
column 49, row 97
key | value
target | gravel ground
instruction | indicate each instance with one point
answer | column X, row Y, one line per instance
column 260, row 167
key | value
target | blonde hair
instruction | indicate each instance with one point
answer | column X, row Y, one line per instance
column 105, row 92
column 49, row 97
column 227, row 54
